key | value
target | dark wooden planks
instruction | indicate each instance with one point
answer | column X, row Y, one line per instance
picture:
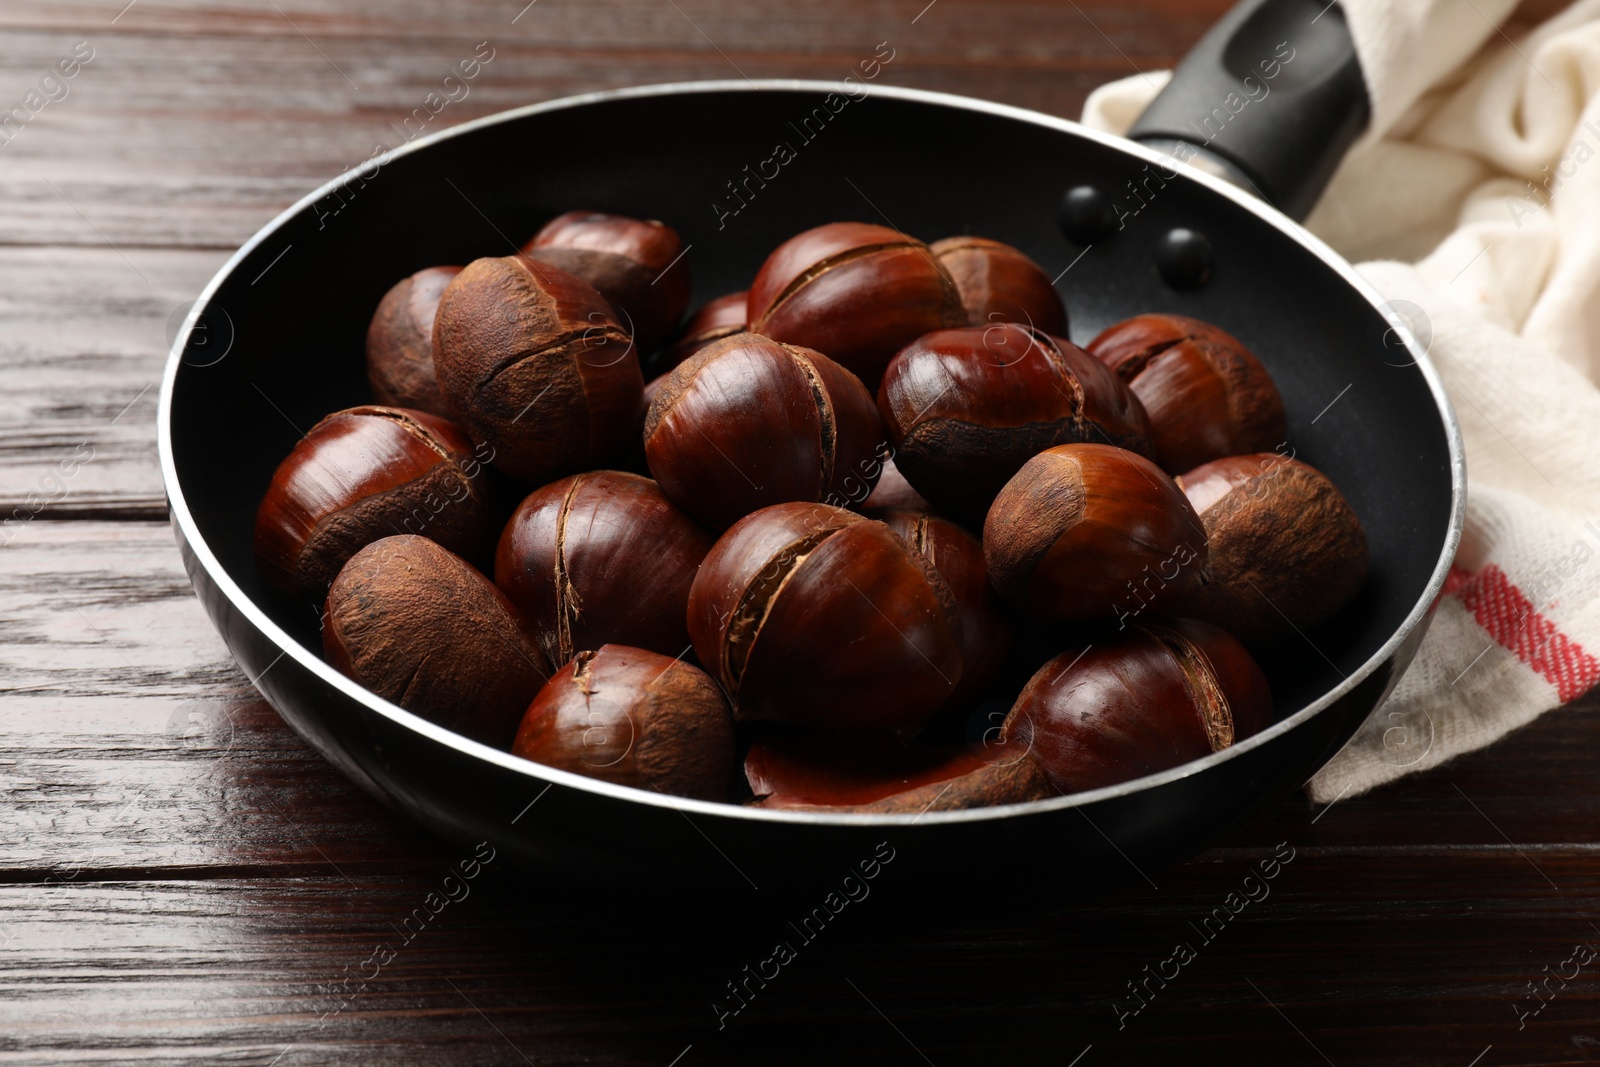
column 191, row 971
column 183, row 881
column 85, row 337
column 217, row 118
column 131, row 741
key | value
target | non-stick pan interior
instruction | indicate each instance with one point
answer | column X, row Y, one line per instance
column 736, row 171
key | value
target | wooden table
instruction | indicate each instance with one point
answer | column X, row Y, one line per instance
column 183, row 881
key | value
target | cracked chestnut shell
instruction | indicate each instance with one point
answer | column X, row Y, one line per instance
column 965, row 409
column 720, row 318
column 1206, row 394
column 813, row 614
column 1158, row 697
column 400, row 342
column 627, row 260
column 810, row 770
column 749, row 422
column 1088, row 532
column 364, row 473
column 532, row 361
column 636, row 718
column 856, row 292
column 601, row 558
column 1286, row 548
column 419, row 626
column 999, row 283
column 958, row 557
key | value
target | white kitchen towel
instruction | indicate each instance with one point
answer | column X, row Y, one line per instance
column 1473, row 202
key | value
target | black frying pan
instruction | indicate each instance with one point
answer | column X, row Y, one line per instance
column 276, row 342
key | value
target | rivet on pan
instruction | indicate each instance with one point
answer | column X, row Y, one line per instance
column 1184, row 258
column 1086, row 214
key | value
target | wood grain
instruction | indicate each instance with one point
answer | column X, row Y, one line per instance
column 183, row 880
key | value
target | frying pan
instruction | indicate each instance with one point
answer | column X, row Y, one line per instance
column 275, row 342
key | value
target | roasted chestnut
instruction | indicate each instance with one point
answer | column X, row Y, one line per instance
column 365, row 473
column 999, row 283
column 749, row 422
column 419, row 626
column 400, row 342
column 958, row 557
column 1286, row 549
column 601, row 558
column 636, row 265
column 633, row 717
column 854, row 291
column 1151, row 699
column 965, row 409
column 813, row 614
column 532, row 361
column 1090, row 532
column 1206, row 394
column 720, row 318
column 808, row 769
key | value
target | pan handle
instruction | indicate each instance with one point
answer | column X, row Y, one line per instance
column 1270, row 98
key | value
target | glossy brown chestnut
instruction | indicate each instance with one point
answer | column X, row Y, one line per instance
column 419, row 626
column 999, row 283
column 365, row 473
column 400, row 342
column 636, row 718
column 636, row 265
column 601, row 558
column 856, row 292
column 1158, row 697
column 749, row 422
column 965, row 409
column 958, row 557
column 720, row 318
column 1089, row 532
column 1206, row 394
column 532, row 361
column 1286, row 548
column 799, row 770
column 813, row 614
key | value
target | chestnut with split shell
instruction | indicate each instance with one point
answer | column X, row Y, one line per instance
column 854, row 291
column 400, row 342
column 749, row 422
column 532, row 361
column 958, row 557
column 999, row 283
column 637, row 265
column 1286, row 548
column 1206, row 394
column 601, row 558
column 1158, row 697
column 365, row 473
column 964, row 409
column 813, row 614
column 1088, row 532
column 419, row 626
column 636, row 718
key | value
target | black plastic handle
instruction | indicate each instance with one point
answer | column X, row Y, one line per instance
column 1271, row 98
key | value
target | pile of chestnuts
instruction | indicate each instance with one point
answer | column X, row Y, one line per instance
column 875, row 536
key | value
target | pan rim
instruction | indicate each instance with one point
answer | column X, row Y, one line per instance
column 195, row 543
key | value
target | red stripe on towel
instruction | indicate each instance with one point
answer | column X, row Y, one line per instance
column 1511, row 619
